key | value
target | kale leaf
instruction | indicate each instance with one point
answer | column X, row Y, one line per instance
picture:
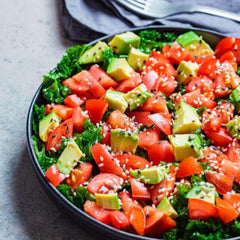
column 238, row 71
column 107, row 56
column 90, row 136
column 39, row 113
column 78, row 197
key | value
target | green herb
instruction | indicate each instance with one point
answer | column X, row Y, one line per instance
column 238, row 71
column 200, row 110
column 180, row 88
column 152, row 39
column 205, row 142
column 107, row 57
column 170, row 103
column 39, row 113
column 195, row 179
column 78, row 197
column 90, row 136
column 45, row 162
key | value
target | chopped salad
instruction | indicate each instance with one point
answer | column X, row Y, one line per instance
column 142, row 133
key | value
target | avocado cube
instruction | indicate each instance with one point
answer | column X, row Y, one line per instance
column 122, row 43
column 186, row 119
column 116, row 100
column 233, row 127
column 107, row 201
column 137, row 96
column 48, row 123
column 119, row 69
column 186, row 71
column 69, row 157
column 137, row 59
column 166, row 207
column 152, row 175
column 94, row 54
column 194, row 44
column 185, row 145
column 235, row 95
column 123, row 141
column 205, row 191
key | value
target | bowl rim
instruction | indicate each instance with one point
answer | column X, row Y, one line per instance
column 40, row 174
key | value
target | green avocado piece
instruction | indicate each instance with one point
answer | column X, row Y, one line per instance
column 136, row 58
column 152, row 175
column 186, row 71
column 137, row 96
column 185, row 145
column 69, row 157
column 48, row 123
column 205, row 191
column 94, row 54
column 123, row 141
column 194, row 44
column 119, row 69
column 235, row 95
column 166, row 207
column 233, row 127
column 186, row 119
column 116, row 100
column 107, row 201
column 122, row 43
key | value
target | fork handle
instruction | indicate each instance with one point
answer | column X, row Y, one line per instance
column 215, row 11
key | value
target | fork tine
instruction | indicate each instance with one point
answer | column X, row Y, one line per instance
column 135, row 4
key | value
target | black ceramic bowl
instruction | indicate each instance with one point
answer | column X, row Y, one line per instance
column 211, row 37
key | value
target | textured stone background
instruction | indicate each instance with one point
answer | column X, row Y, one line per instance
column 30, row 45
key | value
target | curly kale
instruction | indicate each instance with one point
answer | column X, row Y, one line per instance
column 152, row 39
column 107, row 55
column 38, row 113
column 90, row 136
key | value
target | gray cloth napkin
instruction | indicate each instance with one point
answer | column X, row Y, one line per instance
column 86, row 20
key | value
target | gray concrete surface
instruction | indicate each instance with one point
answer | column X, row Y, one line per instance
column 30, row 45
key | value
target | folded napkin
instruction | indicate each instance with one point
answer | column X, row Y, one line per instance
column 86, row 20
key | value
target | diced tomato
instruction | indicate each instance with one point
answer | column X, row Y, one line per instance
column 149, row 79
column 231, row 169
column 106, row 134
column 233, row 199
column 224, row 45
column 161, row 123
column 155, row 104
column 177, row 53
column 79, row 175
column 100, row 214
column 129, row 83
column 73, row 101
column 214, row 157
column 226, row 212
column 226, row 109
column 140, row 117
column 220, row 138
column 96, row 109
column 221, row 88
column 157, row 222
column 127, row 201
column 65, row 129
column 148, row 137
column 200, row 60
column 119, row 120
column 104, row 183
column 132, row 161
column 166, row 84
column 188, row 167
column 233, row 151
column 62, row 111
column 84, row 85
column 200, row 209
column 196, row 99
column 105, row 80
column 222, row 183
column 161, row 151
column 78, row 119
column 139, row 190
column 105, row 161
column 54, row 175
column 230, row 57
column 165, row 48
column 164, row 188
column 203, row 83
column 119, row 220
column 208, row 68
column 211, row 120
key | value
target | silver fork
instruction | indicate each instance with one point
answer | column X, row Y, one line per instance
column 161, row 8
